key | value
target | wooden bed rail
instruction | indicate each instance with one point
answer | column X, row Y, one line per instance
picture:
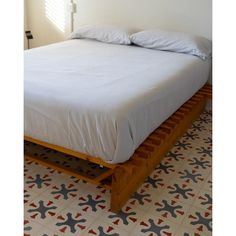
column 142, row 162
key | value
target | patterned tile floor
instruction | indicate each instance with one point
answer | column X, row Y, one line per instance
column 175, row 200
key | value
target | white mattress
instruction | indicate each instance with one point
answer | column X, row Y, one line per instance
column 103, row 99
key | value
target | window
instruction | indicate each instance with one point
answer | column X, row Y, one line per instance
column 55, row 11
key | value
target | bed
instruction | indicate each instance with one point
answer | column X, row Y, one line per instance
column 107, row 103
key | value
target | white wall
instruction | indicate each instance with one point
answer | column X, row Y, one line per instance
column 194, row 16
column 25, row 24
column 43, row 29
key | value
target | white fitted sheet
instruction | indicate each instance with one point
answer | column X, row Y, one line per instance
column 103, row 99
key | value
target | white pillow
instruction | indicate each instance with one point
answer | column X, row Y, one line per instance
column 173, row 41
column 103, row 33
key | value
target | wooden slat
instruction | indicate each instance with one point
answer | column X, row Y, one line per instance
column 71, row 152
column 65, row 170
column 206, row 91
column 104, row 175
column 169, row 124
column 151, row 140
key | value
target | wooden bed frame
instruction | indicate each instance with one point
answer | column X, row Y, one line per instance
column 143, row 161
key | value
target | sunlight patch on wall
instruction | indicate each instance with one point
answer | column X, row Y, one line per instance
column 55, row 11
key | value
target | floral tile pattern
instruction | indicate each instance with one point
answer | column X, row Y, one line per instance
column 175, row 200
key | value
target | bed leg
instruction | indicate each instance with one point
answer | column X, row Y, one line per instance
column 125, row 181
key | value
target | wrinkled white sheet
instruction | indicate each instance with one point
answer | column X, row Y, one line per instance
column 103, row 99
